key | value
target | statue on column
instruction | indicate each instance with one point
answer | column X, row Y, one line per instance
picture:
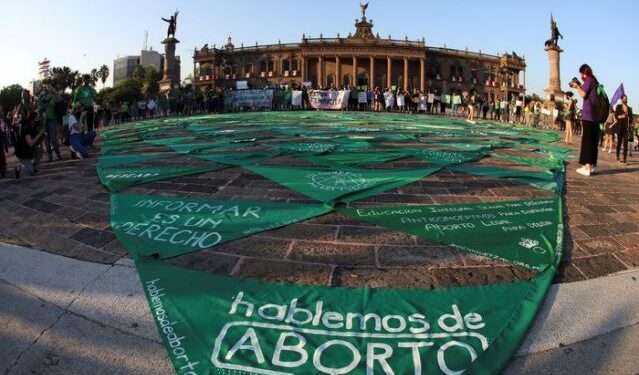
column 172, row 24
column 364, row 6
column 554, row 33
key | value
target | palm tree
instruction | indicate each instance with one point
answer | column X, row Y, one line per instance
column 103, row 74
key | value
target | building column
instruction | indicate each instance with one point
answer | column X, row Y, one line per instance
column 405, row 73
column 320, row 73
column 302, row 67
column 338, row 73
column 371, row 71
column 422, row 74
column 389, row 71
column 354, row 77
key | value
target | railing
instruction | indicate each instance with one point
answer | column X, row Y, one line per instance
column 401, row 42
column 461, row 53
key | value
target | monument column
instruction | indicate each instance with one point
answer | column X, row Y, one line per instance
column 371, row 80
column 422, row 74
column 554, row 84
column 405, row 73
column 171, row 76
column 389, row 71
column 354, row 79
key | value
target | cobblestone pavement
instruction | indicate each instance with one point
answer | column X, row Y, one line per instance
column 65, row 210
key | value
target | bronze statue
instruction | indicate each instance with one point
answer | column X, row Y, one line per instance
column 364, row 6
column 555, row 34
column 172, row 24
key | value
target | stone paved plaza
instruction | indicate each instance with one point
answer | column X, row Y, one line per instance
column 65, row 210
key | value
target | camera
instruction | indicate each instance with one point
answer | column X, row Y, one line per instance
column 575, row 81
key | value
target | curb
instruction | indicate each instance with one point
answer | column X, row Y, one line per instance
column 112, row 295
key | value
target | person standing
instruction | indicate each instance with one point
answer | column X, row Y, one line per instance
column 472, row 102
column 623, row 116
column 48, row 106
column 85, row 95
column 590, row 129
column 609, row 131
column 569, row 117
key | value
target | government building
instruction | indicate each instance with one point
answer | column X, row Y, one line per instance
column 363, row 59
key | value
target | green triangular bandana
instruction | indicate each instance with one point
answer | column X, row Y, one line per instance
column 525, row 233
column 171, row 226
column 116, row 179
column 344, row 184
column 214, row 324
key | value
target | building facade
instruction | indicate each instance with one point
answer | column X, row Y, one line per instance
column 124, row 67
column 363, row 59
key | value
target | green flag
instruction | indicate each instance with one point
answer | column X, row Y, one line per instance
column 116, row 179
column 171, row 226
column 344, row 184
column 525, row 233
column 212, row 324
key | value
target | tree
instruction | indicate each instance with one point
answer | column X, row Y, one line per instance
column 103, row 74
column 150, row 81
column 62, row 78
column 128, row 90
column 10, row 97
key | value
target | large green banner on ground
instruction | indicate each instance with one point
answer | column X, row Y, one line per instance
column 170, row 226
column 526, row 233
column 344, row 185
column 116, row 179
column 218, row 325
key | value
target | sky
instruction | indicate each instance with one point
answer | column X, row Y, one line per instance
column 85, row 35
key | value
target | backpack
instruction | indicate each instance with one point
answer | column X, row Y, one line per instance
column 601, row 106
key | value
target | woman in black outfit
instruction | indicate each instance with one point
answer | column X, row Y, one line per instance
column 590, row 136
column 623, row 115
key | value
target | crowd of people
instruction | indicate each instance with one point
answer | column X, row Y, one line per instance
column 45, row 122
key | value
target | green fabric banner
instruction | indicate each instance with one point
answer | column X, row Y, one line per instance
column 552, row 164
column 116, row 179
column 213, row 324
column 525, row 233
column 110, row 161
column 444, row 158
column 237, row 158
column 356, row 158
column 546, row 180
column 344, row 184
column 171, row 226
column 308, row 147
column 169, row 141
column 190, row 148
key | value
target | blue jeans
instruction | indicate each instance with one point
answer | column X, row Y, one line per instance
column 81, row 141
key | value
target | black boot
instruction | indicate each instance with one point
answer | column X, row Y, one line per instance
column 50, row 158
